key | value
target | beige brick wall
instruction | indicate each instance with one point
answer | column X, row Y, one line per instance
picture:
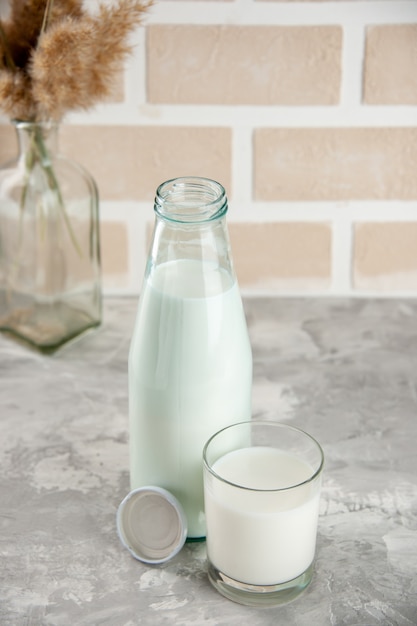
column 390, row 64
column 221, row 67
column 306, row 111
column 385, row 255
column 312, row 164
column 279, row 256
column 129, row 162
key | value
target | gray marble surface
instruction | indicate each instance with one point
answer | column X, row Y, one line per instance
column 344, row 370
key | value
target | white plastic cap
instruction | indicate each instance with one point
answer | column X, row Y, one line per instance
column 151, row 524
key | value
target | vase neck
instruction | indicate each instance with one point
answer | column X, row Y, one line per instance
column 38, row 136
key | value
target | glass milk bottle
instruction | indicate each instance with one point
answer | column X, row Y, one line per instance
column 190, row 361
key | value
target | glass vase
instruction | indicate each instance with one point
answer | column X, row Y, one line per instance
column 50, row 288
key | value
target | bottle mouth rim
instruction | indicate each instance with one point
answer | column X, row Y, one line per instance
column 190, row 199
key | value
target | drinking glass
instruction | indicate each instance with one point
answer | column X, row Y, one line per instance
column 262, row 484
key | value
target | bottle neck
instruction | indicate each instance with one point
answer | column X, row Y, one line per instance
column 191, row 225
column 190, row 200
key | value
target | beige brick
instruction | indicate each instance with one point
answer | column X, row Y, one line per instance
column 390, row 75
column 288, row 256
column 128, row 163
column 261, row 65
column 114, row 244
column 114, row 248
column 8, row 143
column 385, row 256
column 335, row 164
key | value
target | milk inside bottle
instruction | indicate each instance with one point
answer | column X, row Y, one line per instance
column 190, row 362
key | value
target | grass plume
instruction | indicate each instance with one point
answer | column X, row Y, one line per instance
column 56, row 57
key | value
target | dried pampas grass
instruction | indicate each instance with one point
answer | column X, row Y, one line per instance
column 56, row 57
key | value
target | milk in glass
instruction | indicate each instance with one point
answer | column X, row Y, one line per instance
column 259, row 535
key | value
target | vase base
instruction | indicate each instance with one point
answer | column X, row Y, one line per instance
column 46, row 328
